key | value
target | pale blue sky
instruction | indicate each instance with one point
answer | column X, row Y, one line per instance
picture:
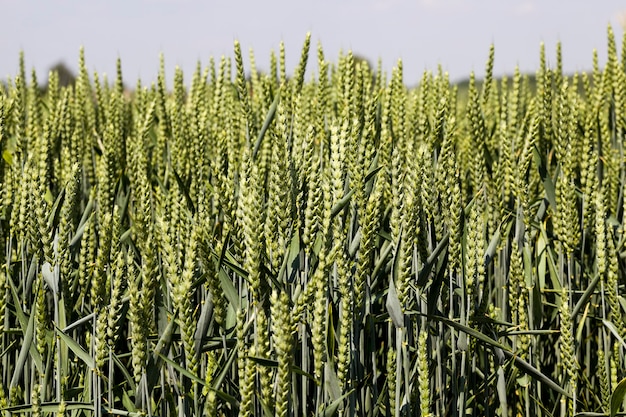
column 423, row 33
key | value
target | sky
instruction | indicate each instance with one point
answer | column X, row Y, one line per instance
column 455, row 34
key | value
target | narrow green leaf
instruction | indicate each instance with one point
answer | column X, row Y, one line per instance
column 185, row 190
column 125, row 237
column 163, row 345
column 79, row 234
column 382, row 259
column 229, row 289
column 202, row 326
column 127, row 376
column 222, row 375
column 341, row 204
column 375, row 169
column 290, row 268
column 118, row 412
column 127, row 402
column 501, row 388
column 27, row 344
column 266, row 124
column 267, row 410
column 615, row 332
column 393, row 306
column 53, row 217
column 520, row 363
column 79, row 322
column 269, row 363
column 493, row 246
column 591, row 288
column 83, row 220
column 50, row 276
column 230, row 263
column 332, row 407
column 51, row 407
column 581, row 325
column 161, row 349
column 226, row 397
column 24, row 323
column 331, row 382
column 182, row 370
column 78, row 350
column 548, row 183
column 356, row 242
column 617, row 397
column 299, row 371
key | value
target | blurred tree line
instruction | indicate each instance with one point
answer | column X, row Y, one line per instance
column 66, row 76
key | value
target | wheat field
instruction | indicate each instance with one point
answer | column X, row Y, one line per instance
column 329, row 243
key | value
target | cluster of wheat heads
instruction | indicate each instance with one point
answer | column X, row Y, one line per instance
column 264, row 245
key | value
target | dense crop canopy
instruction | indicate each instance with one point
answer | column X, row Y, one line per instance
column 264, row 245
